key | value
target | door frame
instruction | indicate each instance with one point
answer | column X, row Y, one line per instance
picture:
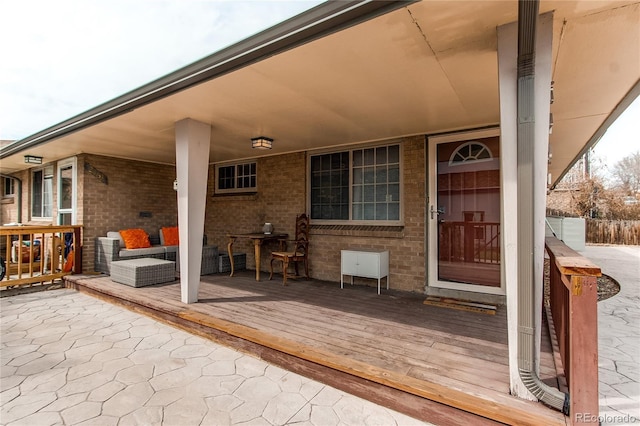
column 432, row 223
column 63, row 164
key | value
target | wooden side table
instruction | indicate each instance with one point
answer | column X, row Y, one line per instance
column 258, row 240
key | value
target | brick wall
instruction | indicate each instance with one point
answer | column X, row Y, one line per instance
column 131, row 187
column 8, row 210
column 405, row 244
column 282, row 195
column 10, row 207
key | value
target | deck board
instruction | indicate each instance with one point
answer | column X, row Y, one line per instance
column 393, row 338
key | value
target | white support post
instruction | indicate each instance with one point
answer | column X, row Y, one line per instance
column 193, row 139
column 507, row 74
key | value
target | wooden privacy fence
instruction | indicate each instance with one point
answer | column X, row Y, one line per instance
column 39, row 254
column 601, row 231
column 573, row 301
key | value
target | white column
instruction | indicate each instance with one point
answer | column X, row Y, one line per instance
column 507, row 74
column 193, row 139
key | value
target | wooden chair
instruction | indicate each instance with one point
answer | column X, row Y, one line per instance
column 299, row 253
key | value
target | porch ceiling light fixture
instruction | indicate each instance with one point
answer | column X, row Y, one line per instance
column 261, row 142
column 32, row 159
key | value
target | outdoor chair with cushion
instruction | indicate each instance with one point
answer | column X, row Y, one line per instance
column 299, row 251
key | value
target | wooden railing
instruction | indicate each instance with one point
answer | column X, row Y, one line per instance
column 39, row 254
column 470, row 242
column 573, row 301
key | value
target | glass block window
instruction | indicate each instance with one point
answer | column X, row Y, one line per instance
column 236, row 178
column 360, row 185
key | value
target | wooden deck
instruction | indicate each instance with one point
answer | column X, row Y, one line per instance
column 441, row 365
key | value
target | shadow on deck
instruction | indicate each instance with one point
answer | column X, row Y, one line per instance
column 437, row 364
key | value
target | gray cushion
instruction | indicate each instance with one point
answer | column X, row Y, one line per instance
column 117, row 235
column 142, row 251
column 171, row 249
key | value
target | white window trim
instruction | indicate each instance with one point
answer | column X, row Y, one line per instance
column 32, row 172
column 350, row 148
column 217, row 190
column 73, row 162
column 13, row 188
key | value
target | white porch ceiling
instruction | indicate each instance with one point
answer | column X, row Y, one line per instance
column 427, row 68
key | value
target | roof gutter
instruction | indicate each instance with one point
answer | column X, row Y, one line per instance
column 527, row 25
column 324, row 19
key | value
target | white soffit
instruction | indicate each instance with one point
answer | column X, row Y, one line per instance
column 427, row 68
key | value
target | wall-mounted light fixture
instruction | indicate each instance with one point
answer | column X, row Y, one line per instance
column 261, row 142
column 32, row 159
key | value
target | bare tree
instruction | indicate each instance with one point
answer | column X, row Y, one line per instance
column 592, row 199
column 626, row 172
column 589, row 198
column 593, row 195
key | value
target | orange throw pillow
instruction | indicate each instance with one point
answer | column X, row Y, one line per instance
column 68, row 264
column 135, row 238
column 170, row 236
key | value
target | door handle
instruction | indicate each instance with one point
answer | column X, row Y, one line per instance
column 436, row 212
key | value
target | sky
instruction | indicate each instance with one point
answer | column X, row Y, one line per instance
column 59, row 58
column 622, row 138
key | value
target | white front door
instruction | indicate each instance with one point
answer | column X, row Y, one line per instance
column 464, row 212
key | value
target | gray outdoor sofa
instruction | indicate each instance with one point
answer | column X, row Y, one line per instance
column 112, row 249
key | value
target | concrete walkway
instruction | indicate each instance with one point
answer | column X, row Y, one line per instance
column 70, row 359
column 67, row 358
column 619, row 335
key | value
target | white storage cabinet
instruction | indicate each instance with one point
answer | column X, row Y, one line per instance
column 363, row 263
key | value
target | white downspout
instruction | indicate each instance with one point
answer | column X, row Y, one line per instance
column 527, row 306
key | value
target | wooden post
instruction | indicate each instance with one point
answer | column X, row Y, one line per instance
column 573, row 299
column 77, row 251
column 583, row 351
